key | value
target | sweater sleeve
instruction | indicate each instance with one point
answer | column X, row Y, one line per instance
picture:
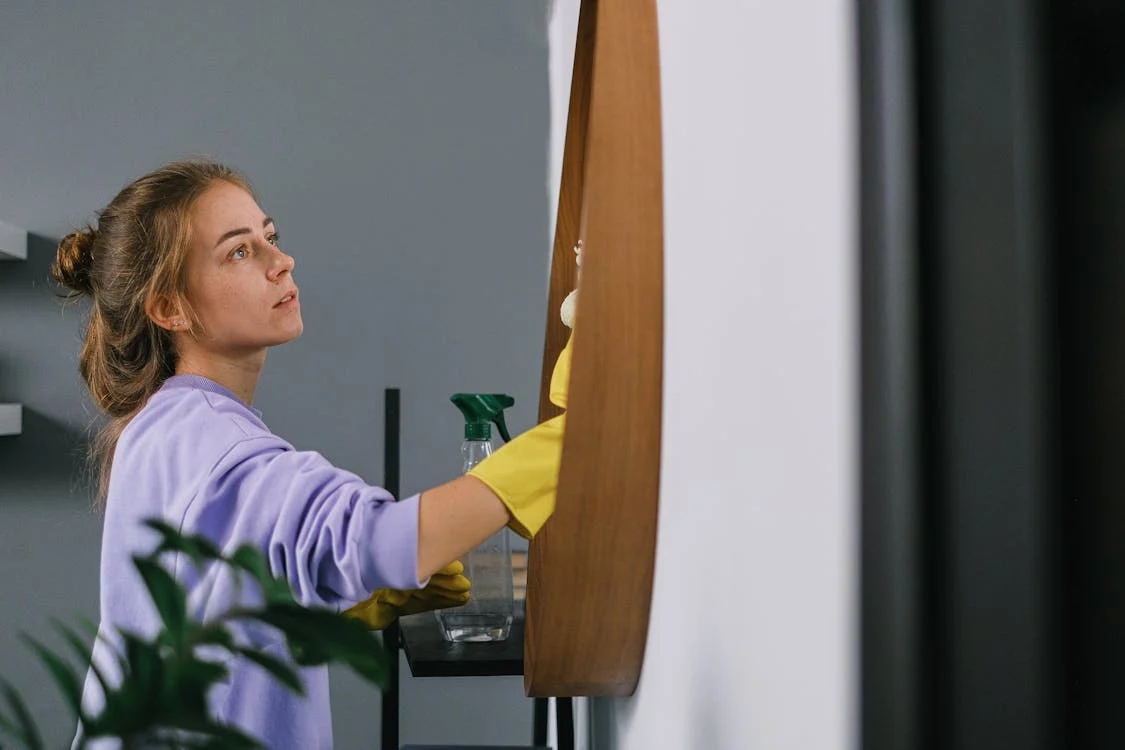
column 332, row 535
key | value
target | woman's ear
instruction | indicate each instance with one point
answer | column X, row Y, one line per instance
column 168, row 313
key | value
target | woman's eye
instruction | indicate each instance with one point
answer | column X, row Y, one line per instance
column 239, row 254
column 273, row 239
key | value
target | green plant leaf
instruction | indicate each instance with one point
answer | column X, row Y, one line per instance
column 61, row 673
column 281, row 671
column 320, row 636
column 213, row 634
column 203, row 673
column 8, row 727
column 182, row 696
column 198, row 548
column 249, row 558
column 226, row 742
column 211, row 736
column 167, row 594
column 278, row 591
column 191, row 679
column 306, row 653
column 81, row 650
column 123, row 712
column 252, row 561
column 87, row 624
column 145, row 671
column 29, row 733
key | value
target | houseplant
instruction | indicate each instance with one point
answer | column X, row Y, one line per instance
column 161, row 700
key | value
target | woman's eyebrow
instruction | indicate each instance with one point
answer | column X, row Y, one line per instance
column 241, row 230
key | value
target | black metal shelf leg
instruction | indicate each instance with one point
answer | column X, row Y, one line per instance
column 392, row 635
column 564, row 718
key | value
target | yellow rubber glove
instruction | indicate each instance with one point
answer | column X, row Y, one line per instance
column 560, row 377
column 524, row 473
column 447, row 588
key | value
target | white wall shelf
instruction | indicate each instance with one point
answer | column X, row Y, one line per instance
column 11, row 419
column 13, row 242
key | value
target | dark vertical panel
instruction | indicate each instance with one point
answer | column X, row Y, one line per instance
column 893, row 673
column 1088, row 58
column 988, row 382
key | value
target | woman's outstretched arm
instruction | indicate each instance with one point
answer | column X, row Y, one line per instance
column 452, row 519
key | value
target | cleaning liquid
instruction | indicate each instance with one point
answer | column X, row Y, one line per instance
column 488, row 614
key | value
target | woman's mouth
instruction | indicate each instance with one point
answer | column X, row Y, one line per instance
column 289, row 300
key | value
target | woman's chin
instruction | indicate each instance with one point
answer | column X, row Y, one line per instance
column 291, row 332
column 295, row 334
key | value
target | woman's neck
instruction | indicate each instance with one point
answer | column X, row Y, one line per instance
column 239, row 375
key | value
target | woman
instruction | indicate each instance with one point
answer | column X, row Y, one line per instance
column 190, row 289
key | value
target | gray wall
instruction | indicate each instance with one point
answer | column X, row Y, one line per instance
column 402, row 149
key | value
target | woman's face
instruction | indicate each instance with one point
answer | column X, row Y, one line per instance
column 239, row 282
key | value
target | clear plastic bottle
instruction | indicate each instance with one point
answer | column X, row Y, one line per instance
column 488, row 614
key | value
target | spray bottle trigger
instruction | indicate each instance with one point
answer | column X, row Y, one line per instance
column 498, row 420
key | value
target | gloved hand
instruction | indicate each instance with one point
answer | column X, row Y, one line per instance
column 447, row 588
column 524, row 473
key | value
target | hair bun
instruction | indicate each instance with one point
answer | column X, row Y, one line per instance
column 74, row 260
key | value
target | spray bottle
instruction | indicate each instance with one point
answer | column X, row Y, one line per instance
column 488, row 614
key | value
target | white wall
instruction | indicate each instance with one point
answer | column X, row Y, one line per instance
column 752, row 642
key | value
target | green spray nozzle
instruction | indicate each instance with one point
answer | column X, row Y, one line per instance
column 481, row 408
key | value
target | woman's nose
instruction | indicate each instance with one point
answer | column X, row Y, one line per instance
column 280, row 263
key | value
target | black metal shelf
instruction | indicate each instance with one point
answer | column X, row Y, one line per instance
column 429, row 655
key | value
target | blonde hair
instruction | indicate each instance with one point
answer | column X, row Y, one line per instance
column 136, row 253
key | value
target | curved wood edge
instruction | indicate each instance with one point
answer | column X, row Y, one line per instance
column 564, row 270
column 591, row 568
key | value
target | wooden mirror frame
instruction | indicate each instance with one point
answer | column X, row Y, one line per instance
column 591, row 567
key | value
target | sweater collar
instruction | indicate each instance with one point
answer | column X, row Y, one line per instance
column 201, row 383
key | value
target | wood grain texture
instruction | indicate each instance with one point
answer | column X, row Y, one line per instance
column 564, row 270
column 591, row 568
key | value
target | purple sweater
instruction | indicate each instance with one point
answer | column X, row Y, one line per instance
column 202, row 460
